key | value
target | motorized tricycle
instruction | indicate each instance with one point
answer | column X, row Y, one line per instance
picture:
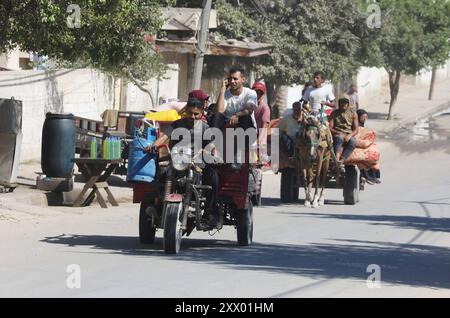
column 176, row 202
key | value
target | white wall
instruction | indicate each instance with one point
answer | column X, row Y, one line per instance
column 424, row 77
column 294, row 95
column 371, row 84
column 85, row 93
column 10, row 60
column 137, row 100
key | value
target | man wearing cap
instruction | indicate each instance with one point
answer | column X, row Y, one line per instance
column 262, row 113
column 200, row 95
column 344, row 127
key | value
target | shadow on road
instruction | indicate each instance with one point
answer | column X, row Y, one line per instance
column 377, row 116
column 406, row 264
column 411, row 222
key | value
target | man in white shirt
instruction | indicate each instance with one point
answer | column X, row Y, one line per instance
column 319, row 94
column 236, row 104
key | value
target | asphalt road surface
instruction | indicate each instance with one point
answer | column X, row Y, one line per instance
column 399, row 233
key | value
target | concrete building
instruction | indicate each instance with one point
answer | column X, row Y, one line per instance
column 15, row 60
column 179, row 48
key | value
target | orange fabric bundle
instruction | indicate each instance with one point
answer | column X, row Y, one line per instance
column 365, row 157
column 365, row 138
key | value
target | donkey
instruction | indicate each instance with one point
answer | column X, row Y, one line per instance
column 314, row 147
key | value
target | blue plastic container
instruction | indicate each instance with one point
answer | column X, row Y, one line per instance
column 142, row 166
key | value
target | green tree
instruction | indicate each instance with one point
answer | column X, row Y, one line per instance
column 413, row 36
column 115, row 36
column 306, row 36
column 436, row 21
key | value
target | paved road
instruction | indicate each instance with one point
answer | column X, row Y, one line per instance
column 402, row 226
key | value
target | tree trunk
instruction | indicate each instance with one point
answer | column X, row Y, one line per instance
column 140, row 85
column 433, row 81
column 271, row 97
column 338, row 89
column 394, row 86
column 281, row 98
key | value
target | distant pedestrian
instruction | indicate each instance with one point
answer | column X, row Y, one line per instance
column 354, row 99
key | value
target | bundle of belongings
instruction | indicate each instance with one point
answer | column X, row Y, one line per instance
column 366, row 155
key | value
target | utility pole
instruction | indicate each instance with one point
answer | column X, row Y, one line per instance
column 202, row 44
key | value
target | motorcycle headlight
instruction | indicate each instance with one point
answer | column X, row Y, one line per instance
column 181, row 158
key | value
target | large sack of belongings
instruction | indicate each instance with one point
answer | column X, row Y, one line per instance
column 365, row 138
column 366, row 155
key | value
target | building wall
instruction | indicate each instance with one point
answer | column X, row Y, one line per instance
column 182, row 64
column 84, row 92
column 137, row 100
column 424, row 77
column 372, row 83
column 11, row 60
column 214, row 72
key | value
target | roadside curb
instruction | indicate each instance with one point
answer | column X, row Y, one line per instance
column 426, row 113
column 396, row 125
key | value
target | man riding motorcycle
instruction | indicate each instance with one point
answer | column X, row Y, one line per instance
column 192, row 122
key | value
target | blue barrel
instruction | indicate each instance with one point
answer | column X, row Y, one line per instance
column 58, row 145
column 141, row 165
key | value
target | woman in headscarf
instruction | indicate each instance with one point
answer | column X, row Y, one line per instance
column 371, row 176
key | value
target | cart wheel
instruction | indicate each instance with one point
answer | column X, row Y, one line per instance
column 147, row 226
column 295, row 188
column 288, row 187
column 244, row 225
column 173, row 228
column 351, row 185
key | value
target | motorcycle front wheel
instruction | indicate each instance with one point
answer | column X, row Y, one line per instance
column 172, row 228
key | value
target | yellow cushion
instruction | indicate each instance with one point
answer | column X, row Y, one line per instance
column 165, row 115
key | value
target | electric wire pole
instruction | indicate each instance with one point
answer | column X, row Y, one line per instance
column 202, row 44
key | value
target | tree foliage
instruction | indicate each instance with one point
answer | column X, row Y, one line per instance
column 110, row 37
column 307, row 35
column 414, row 35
